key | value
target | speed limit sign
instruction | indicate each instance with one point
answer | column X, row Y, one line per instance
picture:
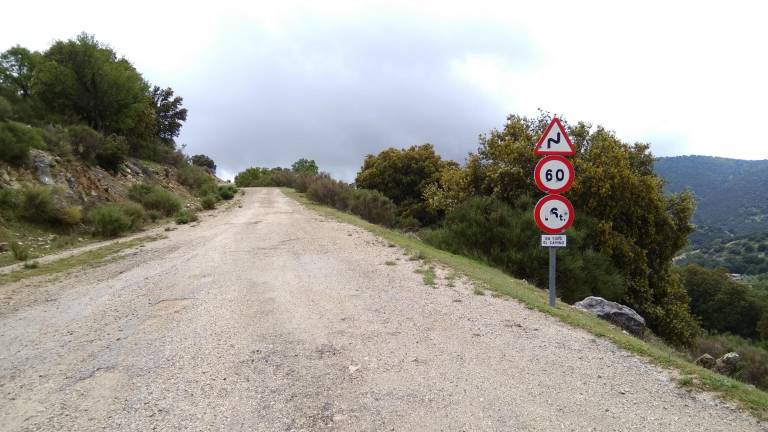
column 554, row 174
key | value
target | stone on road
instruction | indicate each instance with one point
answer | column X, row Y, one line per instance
column 270, row 317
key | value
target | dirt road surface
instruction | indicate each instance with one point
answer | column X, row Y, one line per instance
column 270, row 317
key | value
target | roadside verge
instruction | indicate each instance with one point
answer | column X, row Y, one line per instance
column 90, row 256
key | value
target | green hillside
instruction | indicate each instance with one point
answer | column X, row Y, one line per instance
column 746, row 254
column 731, row 194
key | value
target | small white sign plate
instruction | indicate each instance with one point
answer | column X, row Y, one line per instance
column 554, row 240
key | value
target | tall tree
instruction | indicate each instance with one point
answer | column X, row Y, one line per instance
column 203, row 161
column 402, row 175
column 82, row 80
column 305, row 166
column 169, row 113
column 16, row 68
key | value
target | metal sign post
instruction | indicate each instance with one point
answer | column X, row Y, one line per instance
column 554, row 213
column 552, row 275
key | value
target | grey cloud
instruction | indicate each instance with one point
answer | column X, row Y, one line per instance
column 336, row 91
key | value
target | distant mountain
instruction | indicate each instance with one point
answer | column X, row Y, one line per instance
column 731, row 194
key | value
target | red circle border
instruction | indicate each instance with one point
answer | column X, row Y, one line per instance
column 540, row 166
column 540, row 224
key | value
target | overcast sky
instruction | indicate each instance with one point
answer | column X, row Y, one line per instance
column 269, row 82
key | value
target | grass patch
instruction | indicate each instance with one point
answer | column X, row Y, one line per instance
column 90, row 257
column 19, row 252
column 751, row 398
column 451, row 278
column 38, row 240
column 427, row 275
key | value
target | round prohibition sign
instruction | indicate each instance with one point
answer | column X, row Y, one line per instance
column 553, row 214
column 554, row 174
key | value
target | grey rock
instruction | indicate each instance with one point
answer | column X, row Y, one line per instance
column 4, row 247
column 42, row 163
column 726, row 364
column 623, row 316
column 706, row 361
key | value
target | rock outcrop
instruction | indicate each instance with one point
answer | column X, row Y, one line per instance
column 726, row 364
column 84, row 184
column 623, row 316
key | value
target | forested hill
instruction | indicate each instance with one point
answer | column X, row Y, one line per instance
column 731, row 194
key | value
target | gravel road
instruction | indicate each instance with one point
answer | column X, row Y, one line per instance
column 270, row 317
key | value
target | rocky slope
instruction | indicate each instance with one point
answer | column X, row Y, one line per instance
column 85, row 184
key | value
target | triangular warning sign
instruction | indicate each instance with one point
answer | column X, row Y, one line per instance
column 555, row 140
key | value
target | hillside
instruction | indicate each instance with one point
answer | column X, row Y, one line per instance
column 69, row 183
column 731, row 194
column 746, row 254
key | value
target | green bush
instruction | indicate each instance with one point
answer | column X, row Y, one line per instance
column 20, row 253
column 329, row 192
column 254, row 177
column 9, row 201
column 6, row 110
column 56, row 140
column 70, row 215
column 185, row 216
column 154, row 215
column 208, row 202
column 37, row 205
column 302, row 182
column 285, row 178
column 506, row 237
column 753, row 364
column 111, row 220
column 197, row 180
column 85, row 142
column 112, row 153
column 154, row 197
column 372, row 206
column 227, row 192
column 139, row 191
column 135, row 213
column 16, row 140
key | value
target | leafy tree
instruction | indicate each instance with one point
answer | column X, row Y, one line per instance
column 82, row 80
column 402, row 175
column 16, row 67
column 305, row 166
column 636, row 225
column 722, row 304
column 203, row 161
column 256, row 176
column 169, row 113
